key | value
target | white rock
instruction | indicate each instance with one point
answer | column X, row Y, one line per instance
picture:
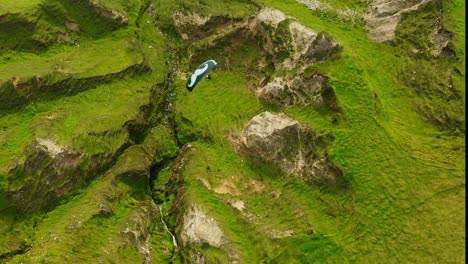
column 199, row 228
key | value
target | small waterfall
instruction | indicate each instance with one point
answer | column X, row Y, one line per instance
column 172, row 58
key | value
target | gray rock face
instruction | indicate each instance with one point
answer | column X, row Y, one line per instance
column 271, row 17
column 197, row 258
column 49, row 172
column 321, row 48
column 309, row 46
column 383, row 16
column 440, row 40
column 137, row 231
column 106, row 12
column 303, row 37
column 285, row 142
column 283, row 33
column 312, row 91
column 199, row 228
column 193, row 26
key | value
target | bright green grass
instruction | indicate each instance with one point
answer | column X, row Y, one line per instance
column 92, row 122
column 351, row 4
column 455, row 21
column 36, row 26
column 71, row 117
column 223, row 166
column 368, row 68
column 215, row 107
column 18, row 6
column 402, row 179
column 404, row 198
column 79, row 231
column 101, row 57
column 233, row 9
column 75, row 231
column 390, row 158
column 264, row 214
column 69, row 120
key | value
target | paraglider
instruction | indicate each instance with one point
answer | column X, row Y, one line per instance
column 198, row 74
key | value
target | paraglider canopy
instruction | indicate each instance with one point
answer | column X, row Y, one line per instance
column 198, row 74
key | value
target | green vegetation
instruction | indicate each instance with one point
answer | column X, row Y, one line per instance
column 122, row 176
column 232, row 9
column 222, row 104
column 91, row 89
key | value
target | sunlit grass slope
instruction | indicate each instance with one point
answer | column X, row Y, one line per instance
column 92, row 120
column 404, row 192
column 405, row 199
column 97, row 224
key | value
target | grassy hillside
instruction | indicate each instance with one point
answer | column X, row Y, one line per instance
column 136, row 149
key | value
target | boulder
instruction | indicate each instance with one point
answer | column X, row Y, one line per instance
column 310, row 46
column 321, row 48
column 303, row 44
column 383, row 16
column 309, row 91
column 302, row 36
column 271, row 17
column 199, row 228
column 283, row 141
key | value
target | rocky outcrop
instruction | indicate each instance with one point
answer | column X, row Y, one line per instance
column 440, row 41
column 312, row 91
column 350, row 15
column 283, row 141
column 199, row 228
column 192, row 26
column 312, row 4
column 182, row 20
column 306, row 45
column 280, row 39
column 52, row 171
column 309, row 46
column 185, row 23
column 106, row 12
column 137, row 229
column 271, row 17
column 45, row 175
column 197, row 231
column 303, row 47
column 321, row 48
column 383, row 16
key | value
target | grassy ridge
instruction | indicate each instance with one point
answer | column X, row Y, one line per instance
column 93, row 121
column 403, row 197
column 405, row 175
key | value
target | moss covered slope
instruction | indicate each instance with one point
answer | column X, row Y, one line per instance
column 106, row 157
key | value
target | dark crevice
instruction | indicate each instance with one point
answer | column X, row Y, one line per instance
column 160, row 112
column 22, row 250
